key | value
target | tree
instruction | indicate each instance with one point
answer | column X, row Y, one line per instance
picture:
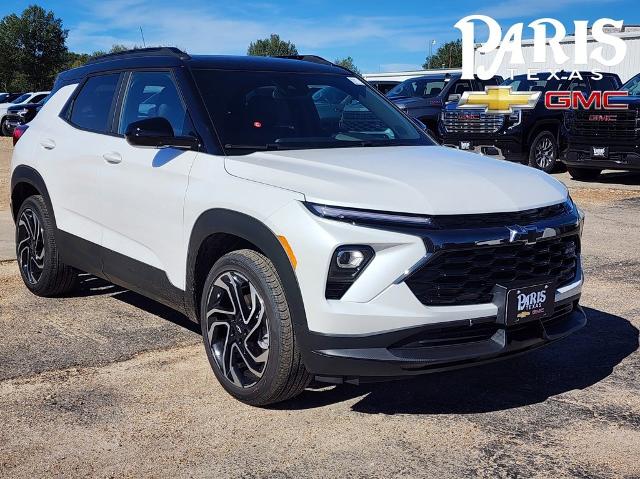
column 448, row 55
column 75, row 60
column 32, row 49
column 271, row 47
column 347, row 63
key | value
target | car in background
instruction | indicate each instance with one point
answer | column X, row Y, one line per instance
column 532, row 137
column 383, row 86
column 424, row 97
column 9, row 97
column 22, row 114
column 26, row 98
column 598, row 140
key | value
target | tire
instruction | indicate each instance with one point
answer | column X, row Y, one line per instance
column 256, row 360
column 543, row 153
column 4, row 127
column 584, row 174
column 37, row 253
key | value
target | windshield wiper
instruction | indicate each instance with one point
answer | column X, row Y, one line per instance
column 265, row 147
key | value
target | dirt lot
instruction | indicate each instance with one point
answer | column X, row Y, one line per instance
column 110, row 384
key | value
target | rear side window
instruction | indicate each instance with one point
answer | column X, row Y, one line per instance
column 91, row 109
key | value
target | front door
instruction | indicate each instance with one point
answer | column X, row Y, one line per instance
column 143, row 189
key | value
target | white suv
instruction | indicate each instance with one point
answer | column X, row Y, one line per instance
column 308, row 244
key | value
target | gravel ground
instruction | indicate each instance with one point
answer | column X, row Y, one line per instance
column 109, row 384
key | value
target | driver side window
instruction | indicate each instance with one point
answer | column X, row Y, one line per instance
column 151, row 95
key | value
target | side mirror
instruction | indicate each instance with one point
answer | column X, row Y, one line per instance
column 419, row 124
column 454, row 97
column 157, row 132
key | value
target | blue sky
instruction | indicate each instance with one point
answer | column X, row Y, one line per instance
column 380, row 36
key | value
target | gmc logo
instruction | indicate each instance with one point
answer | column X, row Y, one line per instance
column 602, row 117
column 572, row 100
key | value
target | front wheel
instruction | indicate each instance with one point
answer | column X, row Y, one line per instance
column 584, row 174
column 248, row 332
column 543, row 153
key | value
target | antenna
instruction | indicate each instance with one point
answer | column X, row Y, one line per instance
column 142, row 35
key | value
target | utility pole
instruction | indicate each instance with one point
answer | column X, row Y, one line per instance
column 431, row 44
column 142, row 35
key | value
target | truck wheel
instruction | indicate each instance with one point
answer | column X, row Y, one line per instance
column 584, row 174
column 247, row 330
column 37, row 252
column 543, row 153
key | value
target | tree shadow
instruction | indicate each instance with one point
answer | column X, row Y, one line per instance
column 577, row 362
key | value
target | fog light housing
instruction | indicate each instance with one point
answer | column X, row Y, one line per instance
column 347, row 263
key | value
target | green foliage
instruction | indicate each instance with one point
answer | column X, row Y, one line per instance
column 271, row 47
column 448, row 55
column 32, row 49
column 347, row 63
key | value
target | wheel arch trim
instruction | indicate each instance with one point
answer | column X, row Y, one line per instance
column 231, row 222
column 28, row 175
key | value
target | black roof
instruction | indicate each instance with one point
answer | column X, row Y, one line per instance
column 172, row 57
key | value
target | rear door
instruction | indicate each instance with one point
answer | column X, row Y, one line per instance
column 70, row 148
column 143, row 189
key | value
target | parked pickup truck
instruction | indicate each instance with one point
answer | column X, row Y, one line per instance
column 424, row 97
column 604, row 139
column 532, row 137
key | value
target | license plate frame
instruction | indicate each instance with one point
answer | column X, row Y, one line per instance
column 529, row 303
column 600, row 152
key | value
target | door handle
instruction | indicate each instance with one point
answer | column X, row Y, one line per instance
column 113, row 158
column 47, row 143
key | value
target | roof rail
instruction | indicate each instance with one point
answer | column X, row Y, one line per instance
column 142, row 52
column 313, row 59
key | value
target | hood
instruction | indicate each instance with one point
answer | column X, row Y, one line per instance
column 408, row 179
column 410, row 102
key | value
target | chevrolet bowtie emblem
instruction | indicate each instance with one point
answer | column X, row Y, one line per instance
column 499, row 99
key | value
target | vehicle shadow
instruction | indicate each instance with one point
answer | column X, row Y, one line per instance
column 616, row 178
column 577, row 362
column 93, row 286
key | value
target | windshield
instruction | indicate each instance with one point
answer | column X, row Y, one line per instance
column 283, row 110
column 21, row 99
column 522, row 83
column 632, row 86
column 419, row 87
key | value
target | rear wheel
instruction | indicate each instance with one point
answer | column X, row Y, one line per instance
column 543, row 153
column 584, row 174
column 247, row 330
column 37, row 253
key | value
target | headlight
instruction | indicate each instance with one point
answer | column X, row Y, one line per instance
column 369, row 218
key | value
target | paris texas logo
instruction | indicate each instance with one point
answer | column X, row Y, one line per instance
column 499, row 99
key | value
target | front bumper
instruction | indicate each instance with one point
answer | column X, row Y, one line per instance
column 500, row 146
column 371, row 332
column 436, row 348
column 621, row 156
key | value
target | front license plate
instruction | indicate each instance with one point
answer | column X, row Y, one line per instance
column 465, row 145
column 530, row 303
column 599, row 152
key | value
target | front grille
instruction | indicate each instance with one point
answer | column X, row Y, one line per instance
column 361, row 121
column 488, row 220
column 468, row 276
column 606, row 124
column 458, row 121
